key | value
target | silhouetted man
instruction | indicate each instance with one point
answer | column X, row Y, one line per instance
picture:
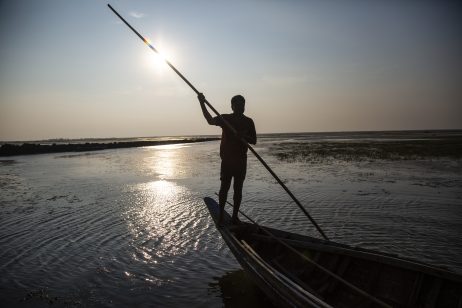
column 233, row 151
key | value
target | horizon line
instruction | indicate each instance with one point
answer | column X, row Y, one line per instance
column 204, row 135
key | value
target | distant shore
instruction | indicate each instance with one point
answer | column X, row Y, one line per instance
column 9, row 149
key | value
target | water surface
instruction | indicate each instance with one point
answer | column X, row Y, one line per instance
column 128, row 227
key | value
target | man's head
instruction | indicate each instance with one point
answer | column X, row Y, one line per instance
column 238, row 104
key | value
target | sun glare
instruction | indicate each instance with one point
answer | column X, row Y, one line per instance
column 157, row 61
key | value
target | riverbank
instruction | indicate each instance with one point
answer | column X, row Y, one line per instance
column 9, row 149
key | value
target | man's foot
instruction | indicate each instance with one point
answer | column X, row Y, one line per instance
column 235, row 221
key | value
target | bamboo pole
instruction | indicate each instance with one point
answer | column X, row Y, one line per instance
column 229, row 126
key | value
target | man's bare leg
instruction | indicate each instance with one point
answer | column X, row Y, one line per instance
column 223, row 196
column 237, row 198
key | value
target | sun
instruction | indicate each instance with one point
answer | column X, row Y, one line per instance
column 157, row 61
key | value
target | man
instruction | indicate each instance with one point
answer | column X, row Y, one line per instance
column 233, row 151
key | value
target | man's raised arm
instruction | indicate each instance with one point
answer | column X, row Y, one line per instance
column 206, row 113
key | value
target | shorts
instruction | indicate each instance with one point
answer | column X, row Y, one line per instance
column 236, row 169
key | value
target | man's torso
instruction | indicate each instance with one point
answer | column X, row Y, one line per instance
column 232, row 148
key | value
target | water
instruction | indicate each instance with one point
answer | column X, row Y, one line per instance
column 128, row 227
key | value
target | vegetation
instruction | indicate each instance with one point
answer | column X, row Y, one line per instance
column 357, row 150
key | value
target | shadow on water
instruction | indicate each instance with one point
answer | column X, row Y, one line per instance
column 238, row 290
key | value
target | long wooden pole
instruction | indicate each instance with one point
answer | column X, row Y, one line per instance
column 229, row 126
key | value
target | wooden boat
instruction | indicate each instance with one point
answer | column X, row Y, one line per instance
column 302, row 271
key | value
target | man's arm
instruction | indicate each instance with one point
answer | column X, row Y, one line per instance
column 206, row 113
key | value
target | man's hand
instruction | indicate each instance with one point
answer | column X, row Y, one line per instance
column 206, row 113
column 201, row 98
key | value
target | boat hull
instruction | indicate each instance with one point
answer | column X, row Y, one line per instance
column 293, row 281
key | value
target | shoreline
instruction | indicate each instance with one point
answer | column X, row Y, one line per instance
column 9, row 149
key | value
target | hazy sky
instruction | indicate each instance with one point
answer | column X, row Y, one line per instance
column 70, row 69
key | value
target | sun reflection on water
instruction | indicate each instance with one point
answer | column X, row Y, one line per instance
column 162, row 190
column 160, row 214
column 166, row 161
column 155, row 219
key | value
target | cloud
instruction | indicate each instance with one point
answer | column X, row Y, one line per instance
column 137, row 14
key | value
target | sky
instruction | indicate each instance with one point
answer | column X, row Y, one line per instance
column 71, row 69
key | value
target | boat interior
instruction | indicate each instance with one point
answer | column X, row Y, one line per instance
column 332, row 271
